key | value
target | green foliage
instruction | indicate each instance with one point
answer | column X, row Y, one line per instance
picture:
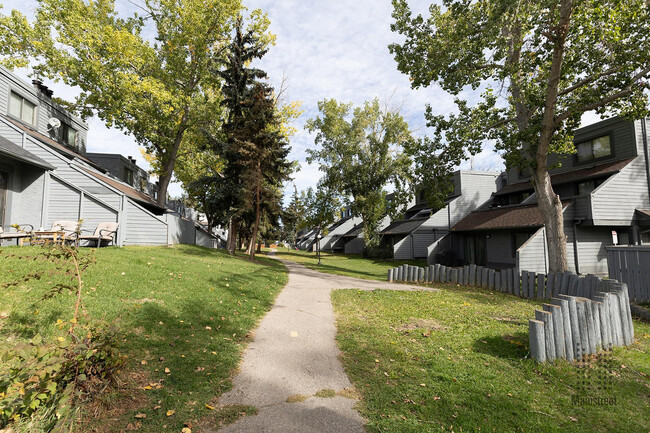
column 321, row 209
column 54, row 376
column 154, row 88
column 456, row 360
column 293, row 217
column 39, row 376
column 539, row 66
column 360, row 153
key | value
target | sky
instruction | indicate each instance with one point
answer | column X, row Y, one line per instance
column 324, row 49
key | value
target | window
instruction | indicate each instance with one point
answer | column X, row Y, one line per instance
column 68, row 135
column 128, row 176
column 585, row 188
column 22, row 109
column 594, row 149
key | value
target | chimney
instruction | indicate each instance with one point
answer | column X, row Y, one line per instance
column 38, row 84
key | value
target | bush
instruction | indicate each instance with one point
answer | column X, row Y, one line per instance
column 54, row 375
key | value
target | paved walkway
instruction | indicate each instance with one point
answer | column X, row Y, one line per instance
column 294, row 352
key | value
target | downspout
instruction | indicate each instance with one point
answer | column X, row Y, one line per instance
column 646, row 155
column 576, row 223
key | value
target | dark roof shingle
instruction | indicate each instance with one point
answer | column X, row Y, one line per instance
column 403, row 227
column 508, row 217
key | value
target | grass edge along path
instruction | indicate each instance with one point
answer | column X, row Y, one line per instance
column 186, row 314
column 455, row 360
column 349, row 265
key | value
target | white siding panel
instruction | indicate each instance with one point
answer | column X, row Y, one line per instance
column 63, row 202
column 95, row 212
column 421, row 242
column 403, row 250
column 532, row 256
column 143, row 228
column 180, row 230
column 614, row 202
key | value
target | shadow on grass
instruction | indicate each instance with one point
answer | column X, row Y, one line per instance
column 513, row 346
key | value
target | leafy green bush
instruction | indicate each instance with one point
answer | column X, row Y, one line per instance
column 55, row 375
column 52, row 376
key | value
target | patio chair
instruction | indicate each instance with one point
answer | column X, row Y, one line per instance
column 19, row 235
column 69, row 229
column 104, row 233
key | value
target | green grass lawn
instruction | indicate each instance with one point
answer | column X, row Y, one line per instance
column 455, row 360
column 185, row 315
column 350, row 265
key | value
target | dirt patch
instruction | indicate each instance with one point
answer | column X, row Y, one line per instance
column 415, row 323
column 325, row 393
column 350, row 393
column 105, row 413
column 223, row 415
column 297, row 398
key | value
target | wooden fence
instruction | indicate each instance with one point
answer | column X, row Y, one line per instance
column 525, row 284
column 631, row 265
column 586, row 314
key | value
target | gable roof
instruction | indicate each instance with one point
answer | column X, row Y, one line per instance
column 136, row 195
column 403, row 227
column 507, row 217
column 66, row 151
column 354, row 231
column 17, row 152
column 572, row 176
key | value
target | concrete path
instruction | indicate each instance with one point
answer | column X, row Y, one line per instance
column 294, row 353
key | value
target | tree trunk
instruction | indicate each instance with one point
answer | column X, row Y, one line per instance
column 168, row 169
column 232, row 236
column 257, row 213
column 550, row 207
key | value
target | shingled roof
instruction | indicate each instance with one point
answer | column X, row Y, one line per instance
column 572, row 176
column 403, row 227
column 507, row 217
column 133, row 193
column 355, row 231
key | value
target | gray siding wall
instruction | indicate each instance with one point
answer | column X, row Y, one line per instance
column 181, row 230
column 592, row 255
column 142, row 227
column 46, row 108
column 623, row 143
column 615, row 201
column 499, row 250
column 532, row 256
column 203, row 240
column 66, row 202
column 403, row 250
column 25, row 201
column 355, row 246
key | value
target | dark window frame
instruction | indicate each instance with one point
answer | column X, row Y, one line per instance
column 591, row 138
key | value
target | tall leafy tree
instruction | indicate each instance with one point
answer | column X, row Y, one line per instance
column 321, row 209
column 292, row 217
column 360, row 151
column 155, row 88
column 251, row 143
column 541, row 65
